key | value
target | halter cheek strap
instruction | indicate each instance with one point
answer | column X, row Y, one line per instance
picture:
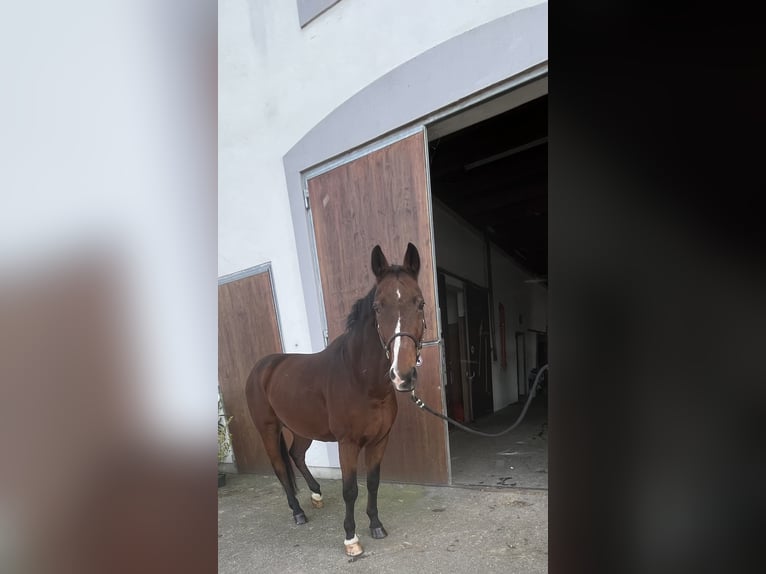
column 387, row 345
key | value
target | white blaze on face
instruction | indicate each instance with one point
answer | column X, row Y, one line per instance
column 397, row 344
column 398, row 294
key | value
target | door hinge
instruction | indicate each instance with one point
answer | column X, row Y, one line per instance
column 306, row 198
column 326, row 337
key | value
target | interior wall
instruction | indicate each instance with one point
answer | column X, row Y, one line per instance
column 509, row 289
column 460, row 250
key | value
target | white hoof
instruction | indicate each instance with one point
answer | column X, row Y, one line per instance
column 353, row 548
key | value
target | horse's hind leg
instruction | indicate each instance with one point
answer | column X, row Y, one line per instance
column 373, row 456
column 274, row 443
column 298, row 454
column 270, row 429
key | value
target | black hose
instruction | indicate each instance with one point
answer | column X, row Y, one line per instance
column 532, row 392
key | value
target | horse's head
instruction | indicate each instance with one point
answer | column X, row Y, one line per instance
column 399, row 314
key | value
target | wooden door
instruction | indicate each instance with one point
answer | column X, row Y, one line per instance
column 247, row 330
column 382, row 198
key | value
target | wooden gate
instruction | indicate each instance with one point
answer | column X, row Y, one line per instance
column 382, row 198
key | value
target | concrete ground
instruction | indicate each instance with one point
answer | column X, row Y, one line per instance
column 516, row 459
column 430, row 529
column 493, row 519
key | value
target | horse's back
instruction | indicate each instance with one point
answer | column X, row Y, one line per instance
column 263, row 372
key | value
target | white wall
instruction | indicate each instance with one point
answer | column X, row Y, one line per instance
column 458, row 248
column 275, row 82
column 526, row 307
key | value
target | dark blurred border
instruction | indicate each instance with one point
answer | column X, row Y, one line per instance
column 657, row 288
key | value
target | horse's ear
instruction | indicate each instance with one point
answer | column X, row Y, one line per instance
column 378, row 261
column 412, row 259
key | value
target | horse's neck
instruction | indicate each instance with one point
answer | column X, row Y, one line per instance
column 366, row 355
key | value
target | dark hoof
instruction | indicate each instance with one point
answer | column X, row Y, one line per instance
column 300, row 518
column 378, row 532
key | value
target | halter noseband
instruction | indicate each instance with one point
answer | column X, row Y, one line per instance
column 387, row 345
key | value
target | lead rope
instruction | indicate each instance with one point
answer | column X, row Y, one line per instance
column 532, row 392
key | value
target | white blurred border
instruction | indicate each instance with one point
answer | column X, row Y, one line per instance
column 108, row 142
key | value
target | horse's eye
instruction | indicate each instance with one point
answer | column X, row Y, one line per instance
column 421, row 305
column 376, row 308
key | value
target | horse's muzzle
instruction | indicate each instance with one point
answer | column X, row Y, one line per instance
column 404, row 384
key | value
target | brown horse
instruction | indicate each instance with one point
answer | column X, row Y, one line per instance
column 345, row 393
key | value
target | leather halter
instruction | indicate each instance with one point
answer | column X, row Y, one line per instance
column 387, row 345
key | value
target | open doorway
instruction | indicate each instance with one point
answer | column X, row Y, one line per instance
column 488, row 175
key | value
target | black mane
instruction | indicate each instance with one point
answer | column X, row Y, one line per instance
column 361, row 308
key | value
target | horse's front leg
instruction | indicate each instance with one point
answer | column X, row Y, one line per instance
column 373, row 456
column 349, row 454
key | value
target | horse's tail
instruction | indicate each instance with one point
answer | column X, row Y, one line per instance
column 287, row 461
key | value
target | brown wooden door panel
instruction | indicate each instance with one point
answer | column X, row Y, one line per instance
column 416, row 449
column 382, row 198
column 247, row 331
